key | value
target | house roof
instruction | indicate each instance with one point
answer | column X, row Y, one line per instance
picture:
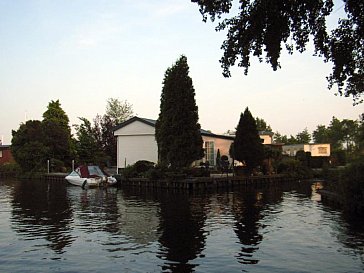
column 152, row 123
column 4, row 147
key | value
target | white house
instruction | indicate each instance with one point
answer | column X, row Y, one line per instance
column 316, row 149
column 136, row 141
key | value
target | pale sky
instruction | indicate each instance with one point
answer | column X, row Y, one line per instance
column 83, row 52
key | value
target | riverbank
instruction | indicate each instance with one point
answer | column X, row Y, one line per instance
column 194, row 183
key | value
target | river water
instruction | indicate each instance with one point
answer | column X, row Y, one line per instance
column 54, row 227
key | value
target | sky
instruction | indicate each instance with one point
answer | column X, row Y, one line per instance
column 83, row 52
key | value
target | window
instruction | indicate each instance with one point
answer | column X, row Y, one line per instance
column 209, row 152
column 1, row 153
column 322, row 150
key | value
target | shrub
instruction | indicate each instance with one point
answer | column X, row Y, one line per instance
column 294, row 168
column 143, row 166
column 10, row 168
column 351, row 186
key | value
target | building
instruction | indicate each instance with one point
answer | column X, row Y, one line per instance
column 5, row 154
column 315, row 149
column 136, row 141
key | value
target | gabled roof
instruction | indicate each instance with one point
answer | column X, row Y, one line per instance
column 152, row 123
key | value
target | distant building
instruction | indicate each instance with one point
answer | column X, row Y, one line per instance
column 136, row 141
column 5, row 154
column 322, row 149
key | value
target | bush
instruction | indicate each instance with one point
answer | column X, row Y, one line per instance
column 155, row 174
column 350, row 185
column 10, row 168
column 143, row 166
column 57, row 165
column 294, row 168
column 338, row 158
column 129, row 172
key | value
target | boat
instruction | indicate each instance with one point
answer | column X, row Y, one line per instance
column 90, row 176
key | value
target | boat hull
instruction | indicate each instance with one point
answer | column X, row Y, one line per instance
column 84, row 182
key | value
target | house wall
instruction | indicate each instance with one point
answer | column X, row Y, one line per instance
column 219, row 143
column 136, row 141
column 320, row 149
column 267, row 139
column 5, row 155
column 314, row 149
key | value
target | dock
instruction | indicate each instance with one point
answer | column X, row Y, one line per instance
column 194, row 183
column 58, row 177
column 203, row 183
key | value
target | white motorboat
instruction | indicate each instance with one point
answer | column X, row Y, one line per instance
column 90, row 176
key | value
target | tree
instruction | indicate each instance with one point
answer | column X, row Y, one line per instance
column 264, row 26
column 292, row 140
column 278, row 138
column 248, row 147
column 218, row 159
column 118, row 111
column 360, row 135
column 178, row 132
column 303, row 137
column 262, row 125
column 57, row 132
column 321, row 134
column 349, row 131
column 104, row 135
column 87, row 148
column 27, row 146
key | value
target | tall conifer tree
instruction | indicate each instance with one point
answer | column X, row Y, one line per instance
column 57, row 132
column 177, row 130
column 248, row 147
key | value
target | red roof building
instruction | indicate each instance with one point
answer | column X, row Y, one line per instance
column 5, row 154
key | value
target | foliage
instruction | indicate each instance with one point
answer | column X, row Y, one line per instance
column 303, row 137
column 87, row 148
column 248, row 147
column 348, row 183
column 338, row 158
column 104, row 135
column 321, row 134
column 57, row 166
column 56, row 132
column 262, row 125
column 177, row 129
column 27, row 146
column 294, row 168
column 10, row 167
column 103, row 126
column 218, row 159
column 352, row 182
column 143, row 166
column 263, row 26
column 144, row 169
column 343, row 135
column 279, row 138
column 271, row 156
column 118, row 111
column 56, row 114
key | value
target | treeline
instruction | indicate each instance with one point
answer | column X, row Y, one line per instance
column 51, row 139
column 346, row 137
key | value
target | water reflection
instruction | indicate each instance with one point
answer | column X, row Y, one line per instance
column 248, row 210
column 182, row 239
column 41, row 211
column 136, row 230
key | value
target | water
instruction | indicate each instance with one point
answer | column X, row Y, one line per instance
column 53, row 227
